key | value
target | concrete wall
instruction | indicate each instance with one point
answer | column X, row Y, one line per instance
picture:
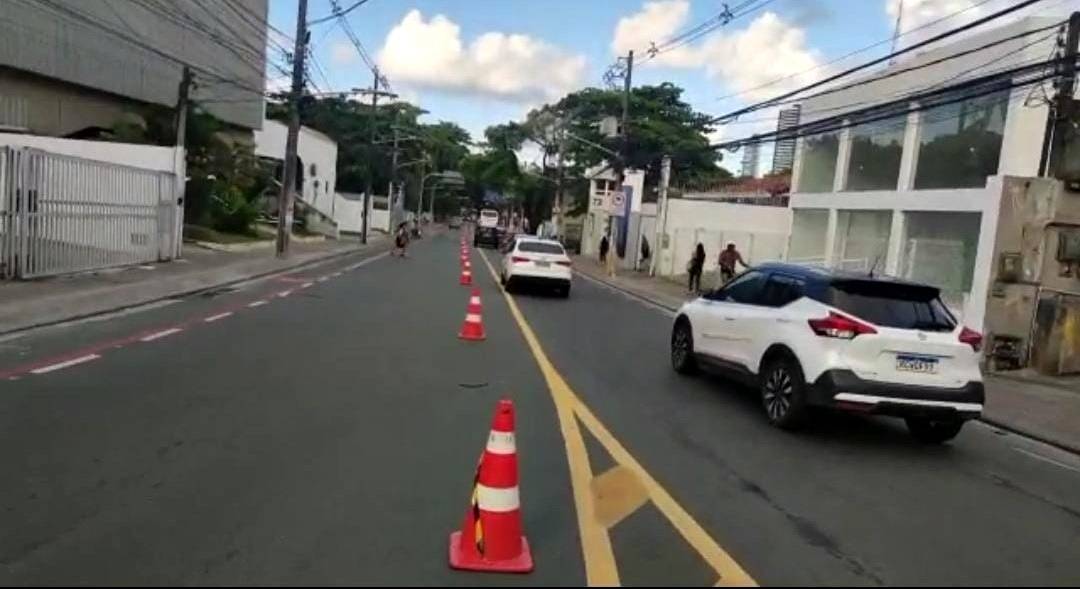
column 350, row 213
column 134, row 53
column 760, row 233
column 314, row 149
column 148, row 157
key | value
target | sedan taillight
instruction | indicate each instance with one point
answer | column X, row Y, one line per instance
column 840, row 326
column 972, row 338
column 564, row 263
column 519, row 259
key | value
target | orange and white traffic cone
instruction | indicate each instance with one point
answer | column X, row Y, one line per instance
column 466, row 276
column 473, row 328
column 491, row 537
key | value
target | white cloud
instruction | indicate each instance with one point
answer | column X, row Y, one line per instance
column 343, row 53
column 513, row 67
column 747, row 61
column 922, row 13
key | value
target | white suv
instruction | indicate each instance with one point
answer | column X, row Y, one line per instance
column 811, row 337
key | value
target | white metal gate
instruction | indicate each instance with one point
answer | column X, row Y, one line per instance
column 62, row 214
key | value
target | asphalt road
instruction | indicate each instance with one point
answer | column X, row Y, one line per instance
column 330, row 436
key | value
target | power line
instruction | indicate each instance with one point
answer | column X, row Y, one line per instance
column 873, row 62
column 781, row 79
column 337, row 12
column 985, row 85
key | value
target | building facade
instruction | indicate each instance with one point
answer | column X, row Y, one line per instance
column 914, row 191
column 751, row 156
column 67, row 66
column 784, row 151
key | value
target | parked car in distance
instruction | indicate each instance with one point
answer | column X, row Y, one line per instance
column 488, row 218
column 487, row 237
column 537, row 262
column 810, row 337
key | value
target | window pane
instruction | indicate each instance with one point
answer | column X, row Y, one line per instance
column 875, row 155
column 818, row 165
column 862, row 240
column 809, row 229
column 745, row 288
column 891, row 305
column 939, row 249
column 960, row 143
column 781, row 290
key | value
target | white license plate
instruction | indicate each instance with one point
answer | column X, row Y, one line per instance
column 917, row 364
column 542, row 264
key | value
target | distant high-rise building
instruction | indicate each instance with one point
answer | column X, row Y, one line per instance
column 784, row 153
column 750, row 155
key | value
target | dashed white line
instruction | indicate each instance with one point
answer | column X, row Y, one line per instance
column 306, row 285
column 336, row 274
column 256, row 304
column 214, row 318
column 284, row 293
column 322, row 279
column 161, row 334
column 65, row 364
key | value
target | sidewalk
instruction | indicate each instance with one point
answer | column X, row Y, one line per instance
column 1044, row 408
column 36, row 303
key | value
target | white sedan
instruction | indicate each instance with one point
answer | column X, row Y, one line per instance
column 535, row 261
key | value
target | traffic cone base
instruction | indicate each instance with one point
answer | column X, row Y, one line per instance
column 473, row 328
column 462, row 560
column 466, row 278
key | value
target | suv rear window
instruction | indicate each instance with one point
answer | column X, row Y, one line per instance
column 903, row 306
column 539, row 247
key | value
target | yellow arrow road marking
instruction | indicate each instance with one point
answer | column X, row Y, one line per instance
column 600, row 568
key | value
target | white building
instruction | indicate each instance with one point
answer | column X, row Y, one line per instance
column 915, row 191
column 611, row 213
column 317, row 169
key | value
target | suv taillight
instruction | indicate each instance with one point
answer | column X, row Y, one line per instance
column 839, row 326
column 971, row 338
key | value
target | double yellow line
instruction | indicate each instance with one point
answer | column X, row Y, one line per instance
column 601, row 502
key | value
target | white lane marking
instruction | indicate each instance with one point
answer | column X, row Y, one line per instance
column 636, row 298
column 307, row 285
column 214, row 318
column 1047, row 460
column 284, row 293
column 336, row 274
column 65, row 364
column 256, row 304
column 322, row 279
column 161, row 334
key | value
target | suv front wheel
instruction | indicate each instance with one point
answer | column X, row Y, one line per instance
column 682, row 348
column 934, row 431
column 783, row 392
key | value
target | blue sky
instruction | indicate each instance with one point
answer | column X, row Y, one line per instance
column 534, row 50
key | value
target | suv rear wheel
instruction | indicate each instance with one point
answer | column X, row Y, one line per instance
column 933, row 431
column 682, row 348
column 783, row 392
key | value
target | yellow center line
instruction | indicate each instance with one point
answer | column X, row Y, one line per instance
column 600, row 567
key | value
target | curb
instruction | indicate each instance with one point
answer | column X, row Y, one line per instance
column 374, row 250
column 1067, row 447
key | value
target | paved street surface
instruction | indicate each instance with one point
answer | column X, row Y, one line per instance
column 298, row 431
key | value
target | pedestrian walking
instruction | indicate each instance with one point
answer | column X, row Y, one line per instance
column 694, row 268
column 646, row 252
column 728, row 258
column 604, row 246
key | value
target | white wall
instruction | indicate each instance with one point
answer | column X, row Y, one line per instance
column 760, row 233
column 148, row 157
column 313, row 148
column 349, row 213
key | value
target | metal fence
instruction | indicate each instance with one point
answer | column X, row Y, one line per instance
column 61, row 214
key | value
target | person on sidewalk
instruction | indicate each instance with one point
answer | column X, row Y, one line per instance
column 401, row 240
column 728, row 258
column 646, row 253
column 604, row 247
column 694, row 268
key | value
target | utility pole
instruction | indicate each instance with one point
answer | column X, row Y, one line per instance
column 1063, row 108
column 183, row 96
column 288, row 185
column 625, row 146
column 371, row 123
column 558, row 216
column 661, row 209
column 393, row 174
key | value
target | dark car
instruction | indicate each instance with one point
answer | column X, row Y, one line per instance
column 487, row 237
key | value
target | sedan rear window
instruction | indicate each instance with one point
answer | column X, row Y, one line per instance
column 903, row 306
column 540, row 247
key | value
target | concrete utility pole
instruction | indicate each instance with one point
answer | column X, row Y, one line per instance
column 288, row 184
column 183, row 96
column 1063, row 108
column 393, row 174
column 371, row 123
column 557, row 217
column 624, row 149
column 661, row 213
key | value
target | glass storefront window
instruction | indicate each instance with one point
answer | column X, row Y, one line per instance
column 875, row 154
column 818, row 165
column 809, row 229
column 960, row 143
